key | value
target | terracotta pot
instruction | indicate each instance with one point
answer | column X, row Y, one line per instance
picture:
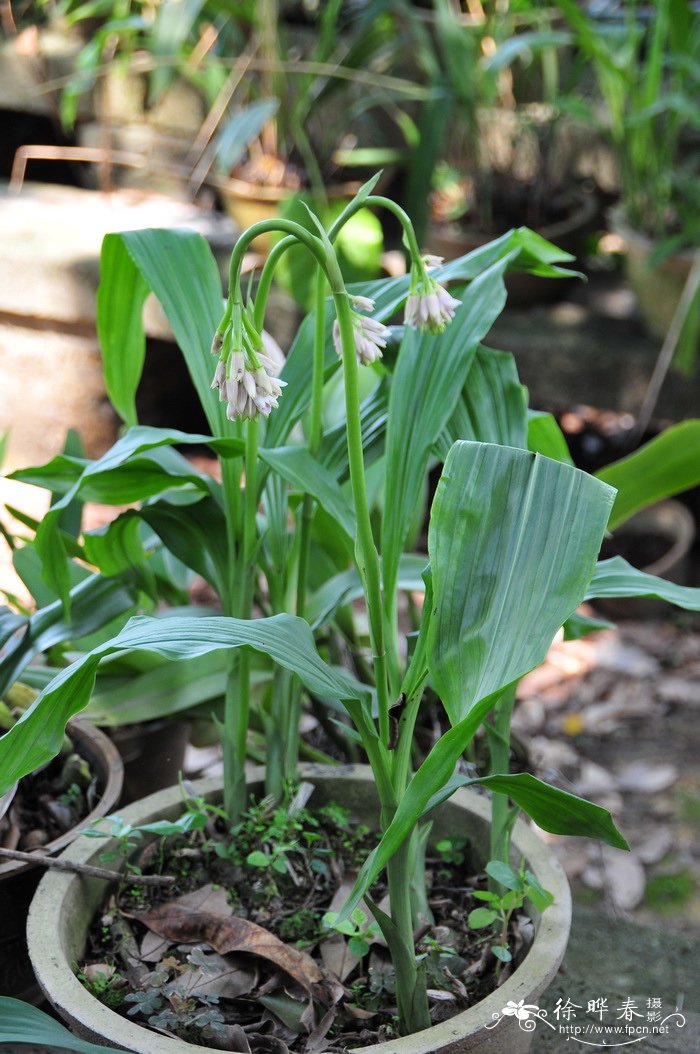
column 64, row 906
column 657, row 286
column 152, row 753
column 451, row 240
column 19, row 881
column 672, row 523
column 248, row 203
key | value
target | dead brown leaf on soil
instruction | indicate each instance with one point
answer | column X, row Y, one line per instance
column 180, row 922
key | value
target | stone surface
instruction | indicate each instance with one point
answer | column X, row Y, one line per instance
column 615, row 959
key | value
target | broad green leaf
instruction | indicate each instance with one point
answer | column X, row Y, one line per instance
column 195, row 534
column 301, row 470
column 95, row 602
column 21, row 1023
column 179, row 268
column 666, row 465
column 345, row 587
column 121, row 295
column 493, row 404
column 524, row 532
column 544, row 436
column 288, row 641
column 333, row 452
column 132, row 470
column 428, row 380
column 617, row 578
column 238, row 129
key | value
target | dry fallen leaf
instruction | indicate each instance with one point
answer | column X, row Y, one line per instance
column 227, row 978
column 180, row 922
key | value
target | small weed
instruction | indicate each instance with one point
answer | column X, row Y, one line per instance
column 670, row 893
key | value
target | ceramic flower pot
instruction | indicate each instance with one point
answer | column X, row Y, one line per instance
column 64, row 906
column 153, row 753
column 657, row 285
column 451, row 240
column 19, row 881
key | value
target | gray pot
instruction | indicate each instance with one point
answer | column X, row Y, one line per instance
column 18, row 881
column 64, row 906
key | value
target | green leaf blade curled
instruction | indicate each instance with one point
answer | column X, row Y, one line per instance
column 22, row 1023
column 524, row 532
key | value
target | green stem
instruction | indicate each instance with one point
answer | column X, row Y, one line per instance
column 498, row 735
column 365, row 549
column 411, row 984
column 315, row 434
column 266, row 276
column 282, row 226
column 237, row 703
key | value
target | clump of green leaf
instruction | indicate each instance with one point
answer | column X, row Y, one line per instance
column 519, row 886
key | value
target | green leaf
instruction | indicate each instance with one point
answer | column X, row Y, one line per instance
column 524, row 532
column 257, row 859
column 121, row 295
column 428, row 379
column 577, row 626
column 493, row 404
column 666, row 465
column 503, row 874
column 301, row 470
column 95, row 602
column 501, row 953
column 132, row 470
column 481, row 917
column 520, row 250
column 38, row 736
column 544, row 436
column 195, row 534
column 179, row 268
column 345, row 587
column 556, row 810
column 617, row 578
column 21, row 1023
column 164, row 691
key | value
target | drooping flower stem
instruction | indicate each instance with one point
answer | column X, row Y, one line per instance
column 365, row 549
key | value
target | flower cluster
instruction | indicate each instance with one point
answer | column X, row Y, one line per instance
column 246, row 378
column 370, row 336
column 429, row 305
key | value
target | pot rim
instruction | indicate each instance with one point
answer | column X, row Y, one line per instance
column 82, row 1010
column 82, row 733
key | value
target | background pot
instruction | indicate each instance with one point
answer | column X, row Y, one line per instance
column 18, row 881
column 673, row 525
column 450, row 240
column 657, row 285
column 152, row 753
column 64, row 906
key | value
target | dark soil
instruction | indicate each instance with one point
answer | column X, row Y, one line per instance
column 240, row 955
column 49, row 802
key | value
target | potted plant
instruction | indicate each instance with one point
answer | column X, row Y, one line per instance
column 489, row 158
column 646, row 73
column 483, row 515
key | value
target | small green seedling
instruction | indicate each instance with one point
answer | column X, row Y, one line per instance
column 520, row 886
column 360, row 935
